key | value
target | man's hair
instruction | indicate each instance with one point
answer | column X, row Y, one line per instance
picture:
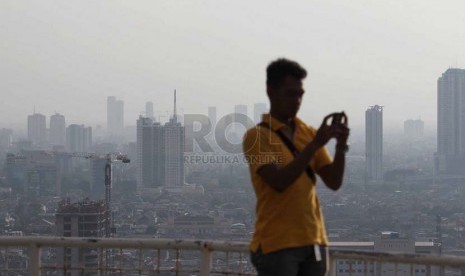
column 281, row 68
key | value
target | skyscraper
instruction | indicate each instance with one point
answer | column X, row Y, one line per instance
column 174, row 153
column 451, row 122
column 36, row 128
column 6, row 138
column 258, row 110
column 78, row 138
column 374, row 143
column 149, row 110
column 57, row 130
column 160, row 152
column 115, row 116
column 150, row 153
column 97, row 178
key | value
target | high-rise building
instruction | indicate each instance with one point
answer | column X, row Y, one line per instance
column 6, row 138
column 258, row 110
column 97, row 178
column 78, row 138
column 150, row 153
column 414, row 129
column 450, row 157
column 374, row 143
column 115, row 116
column 36, row 128
column 57, row 130
column 160, row 153
column 174, row 153
column 149, row 110
column 82, row 219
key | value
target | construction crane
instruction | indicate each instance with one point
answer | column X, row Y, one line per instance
column 109, row 157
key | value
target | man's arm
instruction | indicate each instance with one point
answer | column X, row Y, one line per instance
column 281, row 178
column 333, row 174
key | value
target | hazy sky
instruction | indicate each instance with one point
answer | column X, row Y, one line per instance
column 68, row 56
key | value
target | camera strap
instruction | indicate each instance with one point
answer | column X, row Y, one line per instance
column 292, row 149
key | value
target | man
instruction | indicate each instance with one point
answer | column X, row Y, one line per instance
column 290, row 236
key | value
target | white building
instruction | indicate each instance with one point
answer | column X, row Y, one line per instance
column 388, row 242
column 374, row 143
column 57, row 130
column 78, row 138
column 37, row 129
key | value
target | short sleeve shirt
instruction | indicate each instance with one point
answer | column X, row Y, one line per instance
column 291, row 218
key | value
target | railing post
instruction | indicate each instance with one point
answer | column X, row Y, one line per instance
column 205, row 261
column 34, row 259
column 332, row 267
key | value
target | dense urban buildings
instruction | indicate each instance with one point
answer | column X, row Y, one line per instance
column 37, row 129
column 115, row 116
column 374, row 143
column 451, row 122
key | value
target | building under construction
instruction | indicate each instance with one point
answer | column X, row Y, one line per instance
column 82, row 219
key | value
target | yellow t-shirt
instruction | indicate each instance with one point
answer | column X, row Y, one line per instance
column 293, row 217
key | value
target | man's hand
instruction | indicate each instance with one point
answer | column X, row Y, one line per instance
column 326, row 131
column 332, row 174
column 343, row 131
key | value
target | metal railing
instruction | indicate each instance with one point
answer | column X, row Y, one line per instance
column 115, row 256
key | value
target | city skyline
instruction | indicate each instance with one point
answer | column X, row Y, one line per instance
column 388, row 57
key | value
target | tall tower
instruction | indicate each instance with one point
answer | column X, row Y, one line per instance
column 150, row 163
column 115, row 116
column 160, row 152
column 149, row 110
column 374, row 143
column 451, row 122
column 57, row 130
column 36, row 128
column 78, row 138
column 174, row 136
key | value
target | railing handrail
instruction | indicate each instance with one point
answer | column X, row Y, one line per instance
column 125, row 243
column 207, row 247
